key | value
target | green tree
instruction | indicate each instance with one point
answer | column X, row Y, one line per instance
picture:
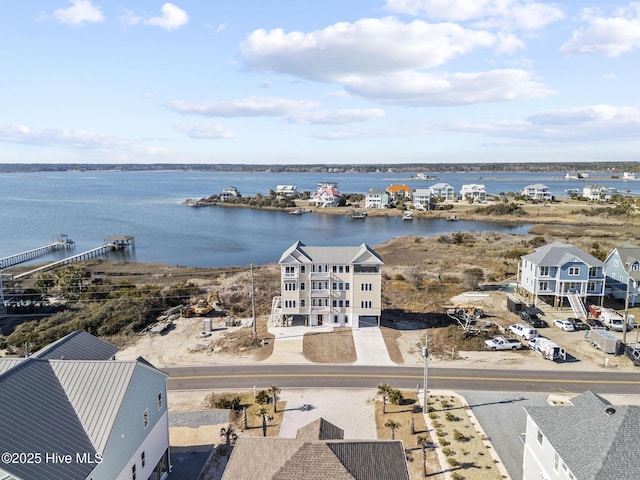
column 384, row 389
column 392, row 425
column 274, row 391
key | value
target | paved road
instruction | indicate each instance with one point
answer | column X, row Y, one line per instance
column 351, row 376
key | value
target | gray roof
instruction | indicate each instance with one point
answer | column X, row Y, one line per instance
column 594, row 439
column 560, row 253
column 629, row 254
column 330, row 255
column 78, row 345
column 8, row 363
column 256, row 458
column 320, row 429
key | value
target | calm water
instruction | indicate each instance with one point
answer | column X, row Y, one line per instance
column 90, row 206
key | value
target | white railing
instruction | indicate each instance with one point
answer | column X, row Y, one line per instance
column 577, row 306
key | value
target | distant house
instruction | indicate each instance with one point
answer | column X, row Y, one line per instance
column 587, row 440
column 537, row 191
column 338, row 286
column 376, row 199
column 286, row 190
column 622, row 267
column 72, row 398
column 327, row 195
column 229, row 193
column 422, row 198
column 318, row 452
column 444, row 191
column 473, row 192
column 598, row 193
column 557, row 269
column 399, row 192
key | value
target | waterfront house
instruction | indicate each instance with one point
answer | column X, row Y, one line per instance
column 622, row 268
column 555, row 270
column 628, row 176
column 443, row 191
column 598, row 193
column 376, row 199
column 339, row 286
column 318, row 452
column 108, row 417
column 422, row 198
column 589, row 439
column 537, row 191
column 473, row 193
column 399, row 193
column 327, row 195
column 229, row 193
column 286, row 190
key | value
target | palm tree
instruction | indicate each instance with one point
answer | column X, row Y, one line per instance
column 264, row 413
column 274, row 390
column 230, row 437
column 393, row 426
column 383, row 391
column 422, row 443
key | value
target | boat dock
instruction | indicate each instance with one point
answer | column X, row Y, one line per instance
column 62, row 243
column 119, row 242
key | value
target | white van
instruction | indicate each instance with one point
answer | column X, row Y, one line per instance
column 524, row 331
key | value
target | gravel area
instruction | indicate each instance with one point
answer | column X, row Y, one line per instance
column 197, row 419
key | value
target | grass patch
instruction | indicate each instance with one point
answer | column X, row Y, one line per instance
column 330, row 347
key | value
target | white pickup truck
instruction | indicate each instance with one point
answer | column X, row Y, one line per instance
column 502, row 343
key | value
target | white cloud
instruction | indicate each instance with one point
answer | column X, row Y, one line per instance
column 246, row 107
column 609, row 36
column 338, row 117
column 129, row 18
column 172, row 18
column 81, row 11
column 206, row 131
column 593, row 123
column 55, row 137
column 368, row 46
column 423, row 89
column 507, row 14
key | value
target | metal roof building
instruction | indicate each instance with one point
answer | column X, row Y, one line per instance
column 72, row 412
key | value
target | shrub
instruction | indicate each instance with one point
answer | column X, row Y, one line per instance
column 452, row 462
column 459, row 436
column 262, row 397
column 451, row 417
column 456, row 476
column 443, row 442
column 447, row 451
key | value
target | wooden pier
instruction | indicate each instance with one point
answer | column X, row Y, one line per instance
column 62, row 243
column 119, row 242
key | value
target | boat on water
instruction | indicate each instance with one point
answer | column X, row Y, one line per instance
column 628, row 176
column 452, row 218
column 195, row 203
column 358, row 215
column 407, row 216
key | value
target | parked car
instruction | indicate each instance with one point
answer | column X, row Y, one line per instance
column 594, row 323
column 578, row 324
column 502, row 343
column 634, row 354
column 563, row 324
column 525, row 331
column 532, row 319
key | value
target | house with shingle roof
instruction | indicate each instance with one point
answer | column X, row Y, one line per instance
column 590, row 439
column 376, row 199
column 623, row 274
column 108, row 419
column 537, row 191
column 338, row 286
column 312, row 457
column 554, row 271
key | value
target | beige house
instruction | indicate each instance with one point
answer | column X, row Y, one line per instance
column 339, row 286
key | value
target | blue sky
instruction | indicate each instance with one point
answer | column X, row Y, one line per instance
column 296, row 82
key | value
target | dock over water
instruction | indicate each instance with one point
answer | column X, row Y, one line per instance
column 63, row 242
column 118, row 242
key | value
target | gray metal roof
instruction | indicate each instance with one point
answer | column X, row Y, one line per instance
column 7, row 364
column 78, row 345
column 594, row 439
column 96, row 391
column 331, row 255
column 557, row 253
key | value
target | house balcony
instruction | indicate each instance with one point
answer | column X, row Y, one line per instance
column 290, row 276
column 326, row 309
column 320, row 275
column 320, row 293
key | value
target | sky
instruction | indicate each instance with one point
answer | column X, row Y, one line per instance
column 319, row 82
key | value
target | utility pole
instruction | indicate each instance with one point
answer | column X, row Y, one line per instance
column 253, row 307
column 626, row 306
column 425, row 355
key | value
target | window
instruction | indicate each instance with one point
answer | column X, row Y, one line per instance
column 335, row 303
column 145, row 418
column 574, row 270
column 591, row 287
column 133, row 471
column 335, row 319
column 289, row 270
column 346, row 286
column 341, row 269
column 334, row 269
column 616, row 262
column 290, row 287
column 593, row 271
column 142, row 459
column 303, row 303
column 303, row 269
column 303, row 286
column 347, row 303
column 346, row 269
column 556, row 461
column 544, row 271
column 543, row 286
column 289, row 304
column 366, row 304
column 366, row 287
column 159, row 400
column 635, row 267
column 540, row 436
column 341, row 303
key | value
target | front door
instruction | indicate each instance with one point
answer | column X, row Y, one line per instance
column 319, row 319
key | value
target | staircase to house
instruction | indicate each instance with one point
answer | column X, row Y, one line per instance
column 577, row 306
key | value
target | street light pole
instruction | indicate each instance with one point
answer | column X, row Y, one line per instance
column 425, row 355
column 626, row 306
